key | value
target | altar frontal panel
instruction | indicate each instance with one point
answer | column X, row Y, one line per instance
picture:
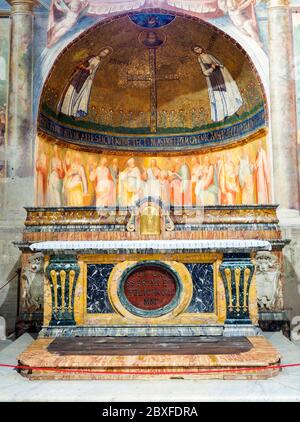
column 150, row 290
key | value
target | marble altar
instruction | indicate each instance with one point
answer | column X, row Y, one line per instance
column 154, row 200
column 197, row 281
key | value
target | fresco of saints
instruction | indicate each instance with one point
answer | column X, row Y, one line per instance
column 224, row 95
column 245, row 174
column 114, row 170
column 180, row 183
column 55, row 180
column 262, row 176
column 105, row 187
column 41, row 176
column 218, row 170
column 164, row 187
column 75, row 183
column 151, row 177
column 228, row 182
column 242, row 15
column 130, row 184
column 185, row 174
column 75, row 99
column 196, row 171
column 207, row 188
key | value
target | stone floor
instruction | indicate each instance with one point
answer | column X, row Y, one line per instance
column 284, row 387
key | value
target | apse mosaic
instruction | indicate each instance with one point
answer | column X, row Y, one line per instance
column 152, row 82
column 68, row 177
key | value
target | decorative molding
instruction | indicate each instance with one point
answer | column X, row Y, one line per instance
column 150, row 246
column 87, row 216
column 22, row 6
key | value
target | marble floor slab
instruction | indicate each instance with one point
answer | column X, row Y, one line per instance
column 284, row 387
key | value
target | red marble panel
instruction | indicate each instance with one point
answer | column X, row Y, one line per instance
column 150, row 287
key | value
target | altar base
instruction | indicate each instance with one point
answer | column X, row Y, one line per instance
column 188, row 358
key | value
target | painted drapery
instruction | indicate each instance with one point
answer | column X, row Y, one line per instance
column 64, row 14
column 67, row 177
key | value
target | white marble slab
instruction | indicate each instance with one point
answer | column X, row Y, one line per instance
column 169, row 245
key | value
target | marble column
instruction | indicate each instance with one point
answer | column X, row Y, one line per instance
column 283, row 106
column 17, row 186
column 20, row 142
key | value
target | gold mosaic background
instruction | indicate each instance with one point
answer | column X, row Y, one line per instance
column 118, row 103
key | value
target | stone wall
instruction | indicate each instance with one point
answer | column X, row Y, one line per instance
column 14, row 194
column 292, row 273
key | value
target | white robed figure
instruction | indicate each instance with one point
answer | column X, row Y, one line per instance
column 224, row 95
column 130, row 184
column 152, row 184
column 76, row 98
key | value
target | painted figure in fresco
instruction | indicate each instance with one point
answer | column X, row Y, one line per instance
column 207, row 188
column 130, row 184
column 228, row 182
column 218, row 165
column 63, row 15
column 180, row 183
column 91, row 164
column 75, row 184
column 164, row 187
column 151, row 177
column 55, row 180
column 242, row 15
column 196, row 172
column 105, row 187
column 245, row 174
column 185, row 174
column 67, row 163
column 224, row 95
column 41, row 168
column 114, row 170
column 262, row 176
column 76, row 98
column 175, row 183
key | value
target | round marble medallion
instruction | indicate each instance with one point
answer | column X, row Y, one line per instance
column 150, row 289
